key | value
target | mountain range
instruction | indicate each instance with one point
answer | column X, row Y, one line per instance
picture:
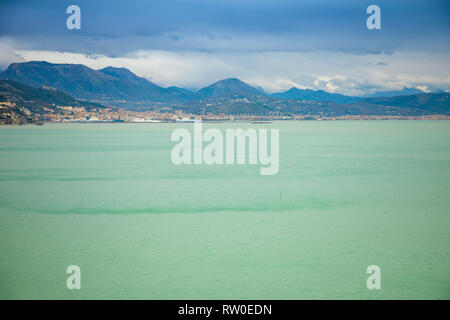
column 314, row 95
column 85, row 83
column 121, row 87
column 405, row 91
column 228, row 88
column 25, row 102
column 38, row 98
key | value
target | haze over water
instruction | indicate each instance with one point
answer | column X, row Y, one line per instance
column 107, row 197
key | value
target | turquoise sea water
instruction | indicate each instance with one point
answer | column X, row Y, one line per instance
column 106, row 197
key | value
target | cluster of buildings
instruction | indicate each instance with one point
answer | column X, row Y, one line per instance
column 81, row 114
column 12, row 114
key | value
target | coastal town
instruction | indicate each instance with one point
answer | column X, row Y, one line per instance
column 136, row 100
column 12, row 114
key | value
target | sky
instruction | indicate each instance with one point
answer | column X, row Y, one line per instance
column 274, row 44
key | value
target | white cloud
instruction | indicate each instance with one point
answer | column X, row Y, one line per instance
column 345, row 73
column 7, row 54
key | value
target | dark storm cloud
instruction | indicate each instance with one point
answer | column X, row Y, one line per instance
column 117, row 27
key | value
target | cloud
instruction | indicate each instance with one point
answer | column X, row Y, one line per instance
column 339, row 72
column 117, row 28
column 7, row 53
column 275, row 44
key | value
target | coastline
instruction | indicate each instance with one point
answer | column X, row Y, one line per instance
column 250, row 120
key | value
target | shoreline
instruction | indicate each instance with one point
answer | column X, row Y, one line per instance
column 248, row 121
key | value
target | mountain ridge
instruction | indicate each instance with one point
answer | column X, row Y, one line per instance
column 314, row 95
column 27, row 104
column 405, row 91
column 227, row 87
column 121, row 87
column 83, row 82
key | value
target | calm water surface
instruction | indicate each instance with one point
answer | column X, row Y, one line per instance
column 107, row 197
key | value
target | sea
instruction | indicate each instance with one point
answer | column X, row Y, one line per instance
column 108, row 199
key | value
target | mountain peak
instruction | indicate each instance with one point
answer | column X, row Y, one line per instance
column 313, row 95
column 403, row 92
column 229, row 87
column 38, row 63
column 231, row 80
column 117, row 71
column 83, row 82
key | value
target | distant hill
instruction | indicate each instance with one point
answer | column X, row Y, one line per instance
column 424, row 103
column 121, row 87
column 35, row 99
column 314, row 95
column 227, row 88
column 118, row 86
column 85, row 83
column 262, row 91
column 26, row 103
column 178, row 94
column 405, row 91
